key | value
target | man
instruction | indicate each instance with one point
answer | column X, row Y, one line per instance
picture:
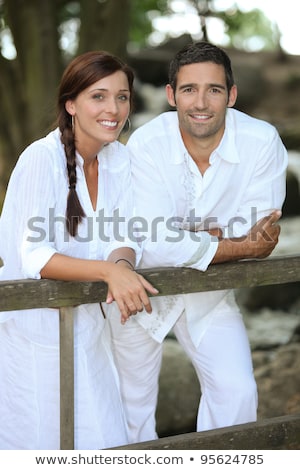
column 205, row 167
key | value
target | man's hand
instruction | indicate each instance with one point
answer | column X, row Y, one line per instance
column 259, row 242
column 264, row 236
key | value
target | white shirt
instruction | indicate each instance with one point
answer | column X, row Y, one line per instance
column 244, row 182
column 32, row 223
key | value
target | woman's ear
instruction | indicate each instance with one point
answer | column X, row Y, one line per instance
column 70, row 107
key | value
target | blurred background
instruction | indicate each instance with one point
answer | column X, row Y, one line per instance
column 39, row 37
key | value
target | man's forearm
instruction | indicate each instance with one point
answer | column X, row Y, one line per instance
column 259, row 243
column 231, row 250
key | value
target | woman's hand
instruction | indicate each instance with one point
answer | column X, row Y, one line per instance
column 129, row 290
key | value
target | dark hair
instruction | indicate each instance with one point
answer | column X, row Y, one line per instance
column 200, row 52
column 81, row 73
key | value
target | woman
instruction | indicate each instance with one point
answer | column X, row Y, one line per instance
column 64, row 217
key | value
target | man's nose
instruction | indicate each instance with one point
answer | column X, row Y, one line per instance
column 201, row 99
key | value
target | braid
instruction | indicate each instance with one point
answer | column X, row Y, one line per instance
column 74, row 211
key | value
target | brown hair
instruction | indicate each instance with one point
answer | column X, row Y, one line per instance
column 81, row 73
column 200, row 52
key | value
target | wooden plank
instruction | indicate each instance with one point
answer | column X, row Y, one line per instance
column 66, row 333
column 26, row 294
column 281, row 433
column 225, row 276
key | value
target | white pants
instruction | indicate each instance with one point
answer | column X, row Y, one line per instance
column 222, row 362
column 29, row 393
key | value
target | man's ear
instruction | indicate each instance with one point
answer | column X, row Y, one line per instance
column 232, row 96
column 170, row 95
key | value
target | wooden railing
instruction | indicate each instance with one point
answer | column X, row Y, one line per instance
column 27, row 294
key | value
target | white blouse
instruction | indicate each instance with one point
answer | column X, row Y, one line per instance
column 32, row 223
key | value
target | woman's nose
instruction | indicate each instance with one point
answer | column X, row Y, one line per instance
column 113, row 105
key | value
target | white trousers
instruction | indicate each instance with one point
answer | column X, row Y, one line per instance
column 29, row 393
column 222, row 362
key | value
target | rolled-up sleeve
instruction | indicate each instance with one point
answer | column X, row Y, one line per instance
column 29, row 199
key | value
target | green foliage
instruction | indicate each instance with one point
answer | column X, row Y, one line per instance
column 141, row 16
column 245, row 30
column 249, row 29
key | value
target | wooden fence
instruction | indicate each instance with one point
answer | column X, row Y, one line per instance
column 27, row 294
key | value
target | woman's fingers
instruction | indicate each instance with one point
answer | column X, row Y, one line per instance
column 130, row 292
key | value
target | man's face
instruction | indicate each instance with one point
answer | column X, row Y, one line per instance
column 201, row 99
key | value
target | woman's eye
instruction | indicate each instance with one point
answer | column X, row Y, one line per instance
column 98, row 96
column 123, row 98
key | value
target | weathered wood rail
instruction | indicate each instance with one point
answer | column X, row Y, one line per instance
column 280, row 433
column 27, row 294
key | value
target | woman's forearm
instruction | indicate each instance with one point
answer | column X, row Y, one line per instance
column 67, row 268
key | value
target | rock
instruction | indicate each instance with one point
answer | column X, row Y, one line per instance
column 271, row 297
column 277, row 374
column 268, row 329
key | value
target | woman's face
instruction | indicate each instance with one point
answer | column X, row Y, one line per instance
column 100, row 111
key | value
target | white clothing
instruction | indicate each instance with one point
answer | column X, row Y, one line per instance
column 244, row 182
column 32, row 229
column 29, row 394
column 224, row 371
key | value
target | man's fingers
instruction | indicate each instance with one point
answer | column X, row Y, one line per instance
column 267, row 228
column 272, row 218
column 271, row 229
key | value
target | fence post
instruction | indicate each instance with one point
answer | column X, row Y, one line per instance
column 66, row 338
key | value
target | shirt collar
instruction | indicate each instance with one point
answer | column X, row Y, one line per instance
column 226, row 150
column 178, row 149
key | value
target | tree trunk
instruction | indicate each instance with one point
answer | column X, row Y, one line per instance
column 105, row 25
column 29, row 82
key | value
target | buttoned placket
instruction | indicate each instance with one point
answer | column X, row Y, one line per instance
column 195, row 185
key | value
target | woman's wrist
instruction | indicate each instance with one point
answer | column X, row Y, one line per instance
column 124, row 260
